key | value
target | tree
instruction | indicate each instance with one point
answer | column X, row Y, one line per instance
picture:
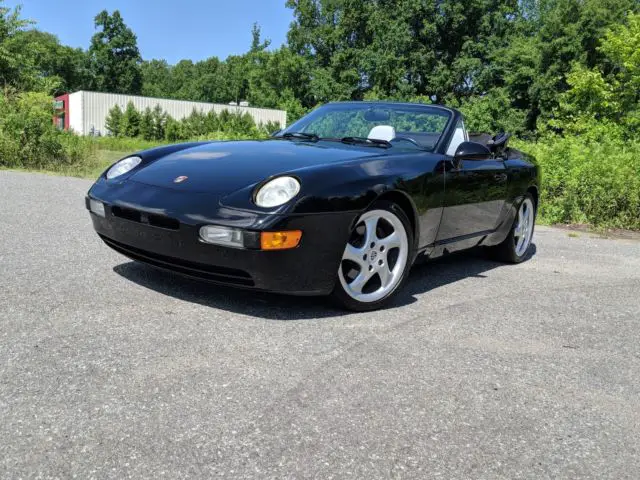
column 63, row 68
column 113, row 122
column 236, row 77
column 12, row 57
column 608, row 95
column 130, row 124
column 209, row 81
column 115, row 58
column 554, row 36
column 438, row 49
column 195, row 124
column 156, row 79
column 159, row 123
column 146, row 124
column 173, row 130
column 257, row 45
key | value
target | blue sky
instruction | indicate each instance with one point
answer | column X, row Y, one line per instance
column 169, row 29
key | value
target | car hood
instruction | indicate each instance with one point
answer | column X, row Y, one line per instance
column 225, row 167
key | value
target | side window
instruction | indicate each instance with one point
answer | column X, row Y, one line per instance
column 459, row 136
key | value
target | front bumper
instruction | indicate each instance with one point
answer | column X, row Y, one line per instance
column 172, row 242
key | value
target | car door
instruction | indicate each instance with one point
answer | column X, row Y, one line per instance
column 475, row 192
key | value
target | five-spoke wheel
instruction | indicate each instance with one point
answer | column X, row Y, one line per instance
column 376, row 258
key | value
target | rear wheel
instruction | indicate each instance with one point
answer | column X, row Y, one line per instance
column 515, row 247
column 376, row 259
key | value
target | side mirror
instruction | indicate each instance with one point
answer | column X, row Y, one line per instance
column 472, row 151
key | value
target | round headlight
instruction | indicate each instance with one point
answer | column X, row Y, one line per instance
column 277, row 192
column 123, row 166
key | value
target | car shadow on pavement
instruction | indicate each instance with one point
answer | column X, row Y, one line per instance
column 423, row 278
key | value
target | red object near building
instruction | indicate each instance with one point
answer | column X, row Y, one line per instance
column 61, row 117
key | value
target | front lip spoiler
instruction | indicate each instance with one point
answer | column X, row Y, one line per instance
column 221, row 275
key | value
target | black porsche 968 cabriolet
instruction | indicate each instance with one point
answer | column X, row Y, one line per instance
column 341, row 203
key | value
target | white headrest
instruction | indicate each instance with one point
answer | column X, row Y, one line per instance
column 383, row 132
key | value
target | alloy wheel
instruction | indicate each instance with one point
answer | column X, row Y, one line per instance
column 524, row 227
column 375, row 257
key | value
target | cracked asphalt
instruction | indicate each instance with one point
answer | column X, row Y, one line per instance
column 111, row 369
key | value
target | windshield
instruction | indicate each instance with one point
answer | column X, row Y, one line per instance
column 405, row 125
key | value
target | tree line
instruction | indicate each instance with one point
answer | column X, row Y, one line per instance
column 512, row 58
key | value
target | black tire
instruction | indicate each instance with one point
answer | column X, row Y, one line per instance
column 506, row 251
column 343, row 299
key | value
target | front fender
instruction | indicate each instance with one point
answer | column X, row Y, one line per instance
column 342, row 187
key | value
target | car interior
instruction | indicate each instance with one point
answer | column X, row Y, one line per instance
column 424, row 140
column 497, row 144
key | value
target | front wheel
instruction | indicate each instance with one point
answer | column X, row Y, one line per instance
column 376, row 259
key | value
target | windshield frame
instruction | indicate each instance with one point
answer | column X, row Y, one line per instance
column 439, row 110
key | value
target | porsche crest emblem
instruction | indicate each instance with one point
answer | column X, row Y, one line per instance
column 180, row 179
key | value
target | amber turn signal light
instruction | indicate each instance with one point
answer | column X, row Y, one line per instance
column 280, row 240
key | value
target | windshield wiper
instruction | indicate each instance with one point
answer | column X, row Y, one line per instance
column 301, row 135
column 373, row 142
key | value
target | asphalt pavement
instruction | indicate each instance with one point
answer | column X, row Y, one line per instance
column 111, row 369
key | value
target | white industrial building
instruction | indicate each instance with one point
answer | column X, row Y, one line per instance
column 86, row 112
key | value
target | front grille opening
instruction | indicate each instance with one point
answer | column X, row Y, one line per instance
column 164, row 222
column 152, row 219
column 126, row 213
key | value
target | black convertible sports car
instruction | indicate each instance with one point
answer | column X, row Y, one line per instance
column 342, row 202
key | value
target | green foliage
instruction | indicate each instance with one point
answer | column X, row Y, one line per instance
column 591, row 182
column 130, row 123
column 173, row 130
column 125, row 145
column 605, row 96
column 196, row 124
column 492, row 113
column 153, row 127
column 552, row 36
column 114, row 54
column 35, row 60
column 28, row 137
column 146, row 125
column 12, row 57
column 113, row 122
column 270, row 127
column 403, row 48
column 159, row 119
column 49, row 66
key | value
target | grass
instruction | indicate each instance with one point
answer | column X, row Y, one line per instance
column 90, row 170
column 105, row 159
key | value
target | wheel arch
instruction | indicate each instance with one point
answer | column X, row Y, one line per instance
column 405, row 202
column 533, row 190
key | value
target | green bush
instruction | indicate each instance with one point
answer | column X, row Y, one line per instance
column 156, row 125
column 28, row 138
column 589, row 182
